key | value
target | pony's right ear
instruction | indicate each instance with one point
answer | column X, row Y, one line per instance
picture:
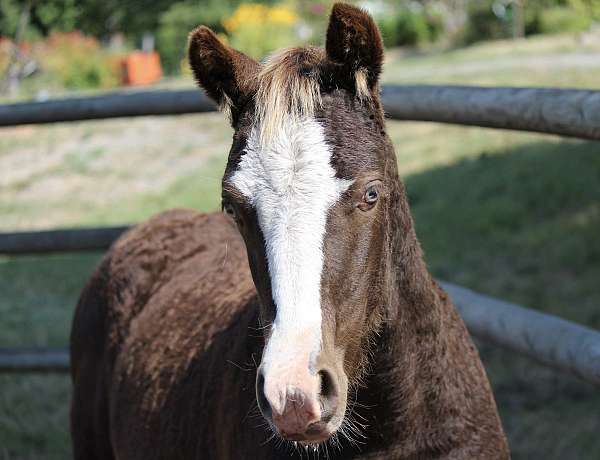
column 227, row 76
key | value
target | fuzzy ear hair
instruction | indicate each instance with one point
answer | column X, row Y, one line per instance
column 354, row 43
column 227, row 76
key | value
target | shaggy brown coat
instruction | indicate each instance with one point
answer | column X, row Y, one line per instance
column 166, row 340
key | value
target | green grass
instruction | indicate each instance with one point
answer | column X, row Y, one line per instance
column 41, row 320
column 502, row 213
column 34, row 417
column 198, row 190
column 41, row 292
column 514, row 215
column 73, row 174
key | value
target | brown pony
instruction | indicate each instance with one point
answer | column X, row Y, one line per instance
column 302, row 320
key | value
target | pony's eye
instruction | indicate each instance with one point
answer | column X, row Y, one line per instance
column 371, row 195
column 229, row 210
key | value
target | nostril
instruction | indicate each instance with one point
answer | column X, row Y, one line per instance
column 263, row 403
column 328, row 396
column 327, row 386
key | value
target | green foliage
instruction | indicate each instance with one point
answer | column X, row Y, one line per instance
column 134, row 18
column 409, row 28
column 483, row 24
column 559, row 16
column 435, row 23
column 57, row 15
column 9, row 17
column 176, row 23
column 77, row 62
column 259, row 29
column 541, row 17
column 5, row 50
column 100, row 18
column 258, row 42
column 562, row 19
column 589, row 8
column 412, row 28
column 44, row 17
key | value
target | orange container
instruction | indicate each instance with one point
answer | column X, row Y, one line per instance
column 141, row 68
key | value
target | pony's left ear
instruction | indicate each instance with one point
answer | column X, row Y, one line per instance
column 354, row 46
column 227, row 75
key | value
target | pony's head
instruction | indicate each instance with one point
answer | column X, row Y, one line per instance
column 311, row 182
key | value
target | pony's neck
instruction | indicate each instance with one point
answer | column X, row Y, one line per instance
column 408, row 392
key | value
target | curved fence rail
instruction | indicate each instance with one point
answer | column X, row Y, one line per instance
column 567, row 112
column 112, row 105
column 553, row 341
column 34, row 360
column 63, row 240
column 556, row 342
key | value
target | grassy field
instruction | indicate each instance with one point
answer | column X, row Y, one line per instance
column 510, row 214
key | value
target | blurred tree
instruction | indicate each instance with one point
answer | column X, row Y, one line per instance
column 59, row 15
column 494, row 19
column 409, row 23
column 180, row 18
column 134, row 18
column 518, row 19
column 10, row 11
column 19, row 65
column 591, row 8
column 249, row 35
column 44, row 16
column 175, row 24
column 100, row 18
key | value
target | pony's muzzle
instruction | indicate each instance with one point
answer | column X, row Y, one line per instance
column 299, row 405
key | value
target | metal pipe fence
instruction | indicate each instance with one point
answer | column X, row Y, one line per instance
column 548, row 339
column 566, row 112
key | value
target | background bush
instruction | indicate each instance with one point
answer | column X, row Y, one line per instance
column 74, row 61
column 541, row 17
column 253, row 28
column 176, row 23
column 483, row 24
column 409, row 26
column 5, row 51
column 258, row 29
column 562, row 19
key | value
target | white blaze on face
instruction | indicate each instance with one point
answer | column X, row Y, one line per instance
column 291, row 184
